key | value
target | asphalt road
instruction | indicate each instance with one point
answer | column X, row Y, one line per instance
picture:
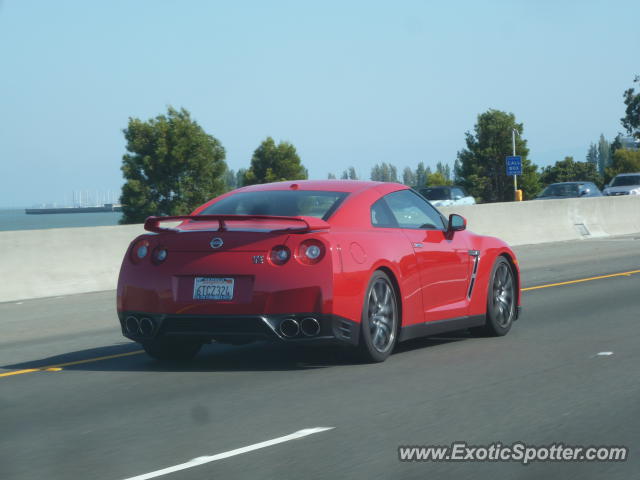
column 543, row 383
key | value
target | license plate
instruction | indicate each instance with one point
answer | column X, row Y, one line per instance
column 207, row 288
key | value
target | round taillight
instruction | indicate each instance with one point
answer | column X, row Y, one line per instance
column 160, row 254
column 140, row 250
column 310, row 252
column 280, row 255
column 313, row 252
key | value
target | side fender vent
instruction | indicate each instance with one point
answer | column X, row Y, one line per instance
column 472, row 282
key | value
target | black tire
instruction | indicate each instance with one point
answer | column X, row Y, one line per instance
column 172, row 349
column 380, row 319
column 501, row 300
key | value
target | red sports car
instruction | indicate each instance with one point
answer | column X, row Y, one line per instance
column 367, row 264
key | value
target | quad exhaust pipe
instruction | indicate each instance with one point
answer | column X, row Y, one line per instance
column 131, row 325
column 146, row 327
column 310, row 327
column 289, row 328
column 139, row 327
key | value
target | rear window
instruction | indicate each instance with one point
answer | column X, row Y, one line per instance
column 286, row 203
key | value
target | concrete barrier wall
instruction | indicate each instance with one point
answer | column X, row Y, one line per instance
column 61, row 261
column 543, row 221
column 44, row 263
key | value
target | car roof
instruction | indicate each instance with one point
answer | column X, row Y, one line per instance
column 348, row 186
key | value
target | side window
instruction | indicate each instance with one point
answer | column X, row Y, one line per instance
column 381, row 216
column 457, row 192
column 410, row 210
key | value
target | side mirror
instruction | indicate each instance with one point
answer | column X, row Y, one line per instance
column 457, row 197
column 584, row 192
column 456, row 223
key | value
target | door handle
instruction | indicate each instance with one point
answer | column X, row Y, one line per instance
column 418, row 245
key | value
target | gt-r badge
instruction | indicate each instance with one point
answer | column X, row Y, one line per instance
column 216, row 242
column 258, row 259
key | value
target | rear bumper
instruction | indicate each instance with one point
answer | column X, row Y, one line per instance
column 142, row 326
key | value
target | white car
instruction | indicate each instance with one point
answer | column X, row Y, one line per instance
column 443, row 196
column 624, row 184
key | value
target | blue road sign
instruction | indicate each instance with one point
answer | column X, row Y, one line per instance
column 514, row 165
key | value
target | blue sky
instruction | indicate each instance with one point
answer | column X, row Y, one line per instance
column 348, row 83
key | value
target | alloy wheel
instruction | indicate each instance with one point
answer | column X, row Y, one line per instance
column 504, row 295
column 382, row 315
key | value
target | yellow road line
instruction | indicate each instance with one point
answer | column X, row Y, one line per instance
column 19, row 372
column 59, row 366
column 580, row 280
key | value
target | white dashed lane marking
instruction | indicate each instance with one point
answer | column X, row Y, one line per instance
column 231, row 453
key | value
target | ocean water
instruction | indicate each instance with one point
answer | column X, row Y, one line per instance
column 18, row 220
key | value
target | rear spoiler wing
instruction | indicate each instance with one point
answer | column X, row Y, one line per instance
column 152, row 224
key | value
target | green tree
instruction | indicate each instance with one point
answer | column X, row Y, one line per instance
column 481, row 166
column 274, row 163
column 240, row 177
column 604, row 154
column 331, row 176
column 384, row 172
column 438, row 178
column 409, row 177
column 631, row 120
column 422, row 173
column 349, row 174
column 616, row 144
column 230, row 179
column 444, row 170
column 624, row 161
column 456, row 169
column 171, row 166
column 592, row 155
column 568, row 170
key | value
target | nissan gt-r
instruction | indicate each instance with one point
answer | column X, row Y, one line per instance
column 363, row 264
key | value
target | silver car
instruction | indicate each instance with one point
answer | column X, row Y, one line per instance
column 624, row 184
